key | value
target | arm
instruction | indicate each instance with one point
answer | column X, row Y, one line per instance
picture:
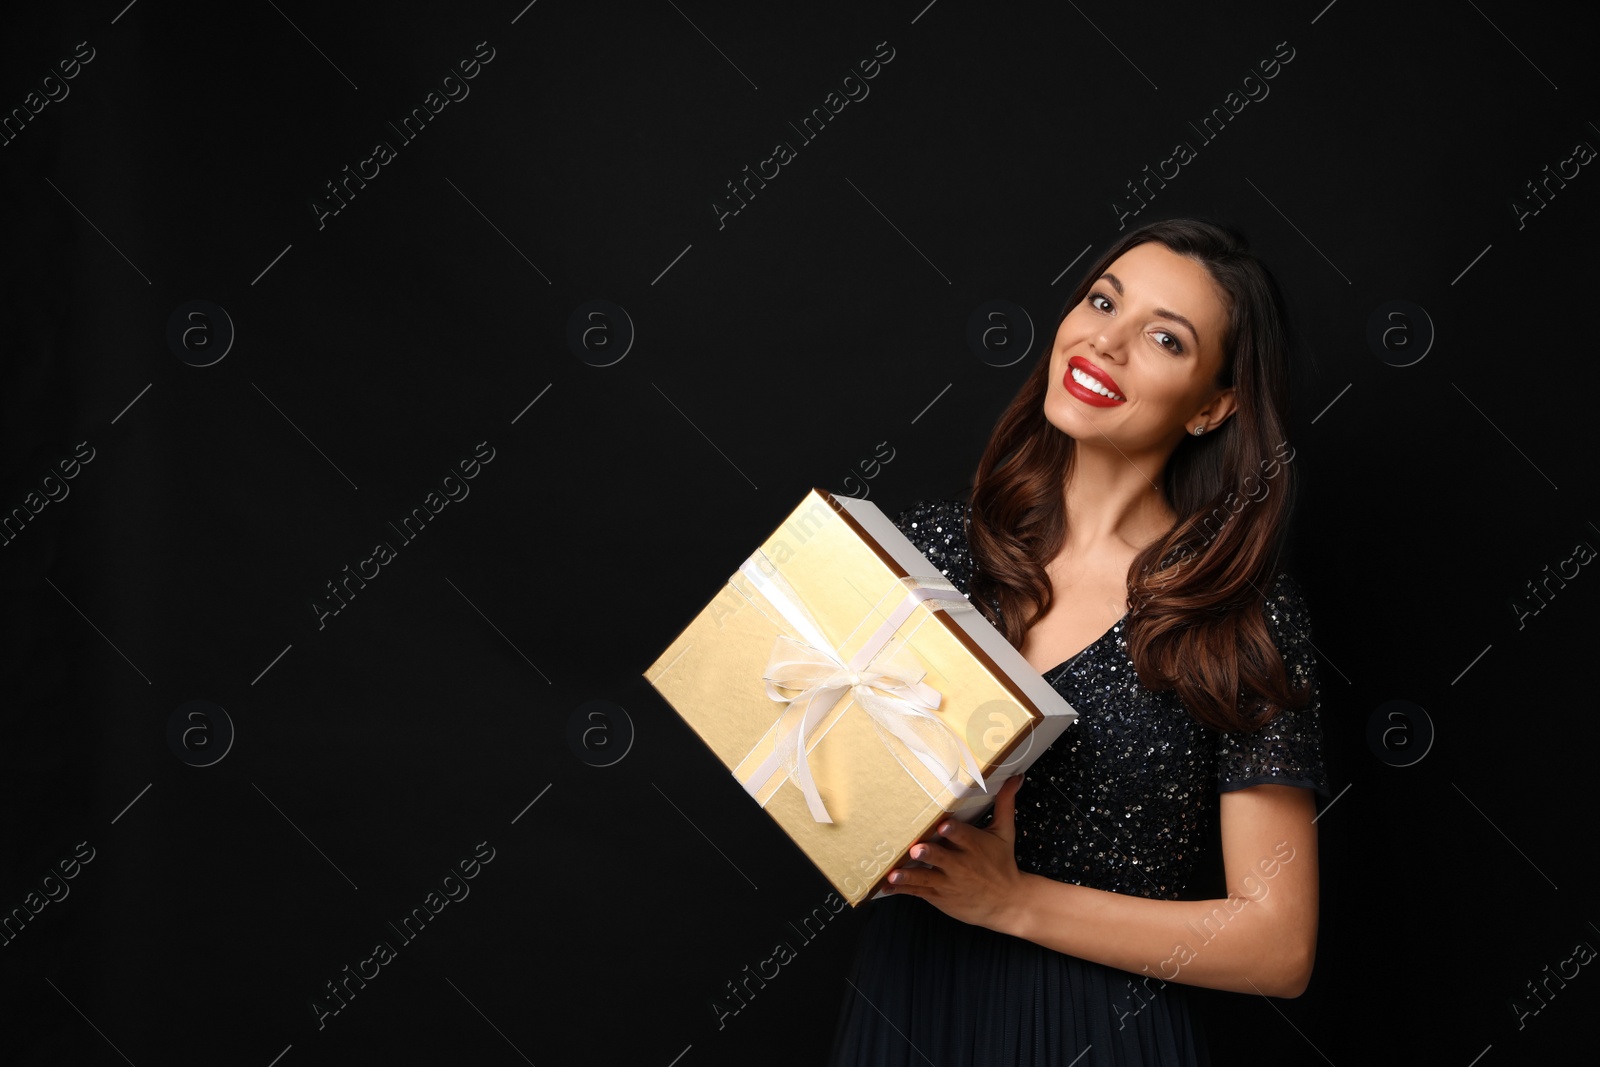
column 1261, row 938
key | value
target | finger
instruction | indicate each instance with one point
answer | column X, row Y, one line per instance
column 955, row 834
column 909, row 878
column 1005, row 809
column 1008, row 791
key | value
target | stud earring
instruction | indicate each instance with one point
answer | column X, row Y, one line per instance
column 1198, row 430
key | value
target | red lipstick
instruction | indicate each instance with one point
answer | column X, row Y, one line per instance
column 1085, row 394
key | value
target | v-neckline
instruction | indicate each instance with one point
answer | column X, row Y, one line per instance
column 966, row 515
column 1068, row 661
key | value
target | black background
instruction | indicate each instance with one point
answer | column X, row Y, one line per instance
column 773, row 352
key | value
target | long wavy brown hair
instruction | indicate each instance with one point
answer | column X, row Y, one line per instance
column 1196, row 595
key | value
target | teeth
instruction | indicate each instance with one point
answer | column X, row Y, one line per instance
column 1093, row 385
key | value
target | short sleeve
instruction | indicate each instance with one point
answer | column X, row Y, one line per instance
column 1288, row 749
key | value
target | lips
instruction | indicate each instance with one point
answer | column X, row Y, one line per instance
column 1087, row 395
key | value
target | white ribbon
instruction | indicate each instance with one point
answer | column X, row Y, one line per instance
column 888, row 687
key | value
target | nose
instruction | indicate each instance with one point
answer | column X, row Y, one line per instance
column 1109, row 342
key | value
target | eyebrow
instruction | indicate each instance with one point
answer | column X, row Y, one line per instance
column 1164, row 313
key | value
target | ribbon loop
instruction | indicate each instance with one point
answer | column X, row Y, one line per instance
column 887, row 685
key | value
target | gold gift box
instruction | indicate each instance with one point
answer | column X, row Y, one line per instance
column 842, row 566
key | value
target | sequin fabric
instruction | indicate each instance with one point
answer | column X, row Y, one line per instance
column 1122, row 801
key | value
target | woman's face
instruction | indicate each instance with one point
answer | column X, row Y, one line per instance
column 1149, row 330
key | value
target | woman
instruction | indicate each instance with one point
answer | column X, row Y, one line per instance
column 1124, row 534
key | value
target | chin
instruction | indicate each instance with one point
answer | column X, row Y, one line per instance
column 1068, row 422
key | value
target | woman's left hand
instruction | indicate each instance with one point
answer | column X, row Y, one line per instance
column 975, row 875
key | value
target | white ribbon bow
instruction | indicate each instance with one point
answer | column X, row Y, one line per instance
column 888, row 687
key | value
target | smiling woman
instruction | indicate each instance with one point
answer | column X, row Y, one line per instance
column 1060, row 932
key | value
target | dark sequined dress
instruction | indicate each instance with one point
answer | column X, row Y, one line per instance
column 1122, row 801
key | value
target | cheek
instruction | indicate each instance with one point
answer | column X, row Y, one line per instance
column 1072, row 326
column 1171, row 381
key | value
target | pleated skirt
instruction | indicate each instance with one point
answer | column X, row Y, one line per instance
column 926, row 989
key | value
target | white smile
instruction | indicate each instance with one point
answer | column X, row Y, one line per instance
column 1093, row 385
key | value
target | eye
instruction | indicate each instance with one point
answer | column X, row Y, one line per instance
column 1176, row 347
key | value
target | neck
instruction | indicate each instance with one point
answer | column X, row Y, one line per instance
column 1114, row 500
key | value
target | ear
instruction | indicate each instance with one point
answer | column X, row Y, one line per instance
column 1214, row 414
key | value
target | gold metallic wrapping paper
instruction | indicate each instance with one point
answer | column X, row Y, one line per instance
column 847, row 564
